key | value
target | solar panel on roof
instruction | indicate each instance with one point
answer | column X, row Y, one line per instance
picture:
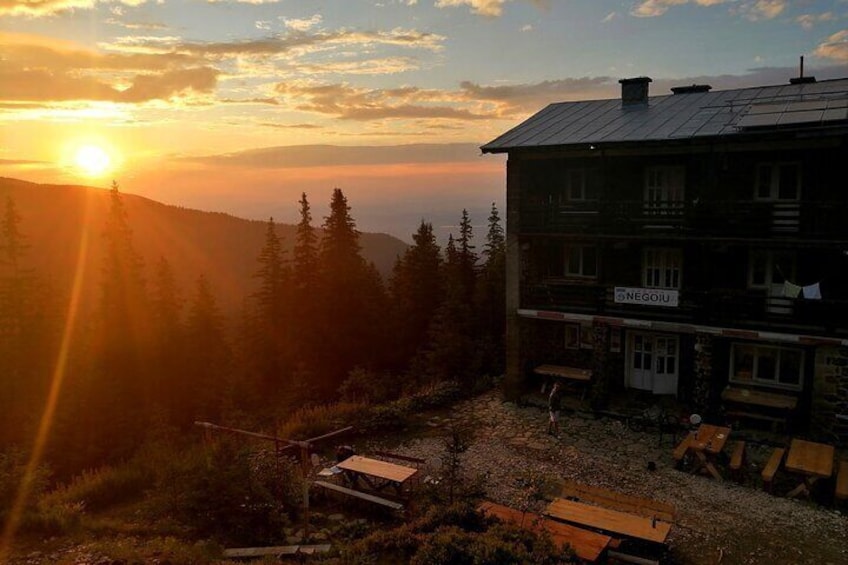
column 835, row 114
column 807, row 117
column 758, row 120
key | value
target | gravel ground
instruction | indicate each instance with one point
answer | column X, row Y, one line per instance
column 717, row 521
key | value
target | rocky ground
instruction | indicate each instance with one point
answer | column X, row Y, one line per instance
column 717, row 521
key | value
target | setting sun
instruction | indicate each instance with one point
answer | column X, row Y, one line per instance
column 92, row 160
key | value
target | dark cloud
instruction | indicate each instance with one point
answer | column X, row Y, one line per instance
column 334, row 155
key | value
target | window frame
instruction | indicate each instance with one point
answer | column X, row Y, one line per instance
column 579, row 272
column 755, row 378
column 673, row 187
column 670, row 263
column 774, row 168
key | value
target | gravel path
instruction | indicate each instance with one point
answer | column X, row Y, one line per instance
column 717, row 521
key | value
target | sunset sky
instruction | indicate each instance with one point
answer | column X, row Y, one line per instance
column 240, row 105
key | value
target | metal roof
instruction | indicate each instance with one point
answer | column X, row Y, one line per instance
column 680, row 116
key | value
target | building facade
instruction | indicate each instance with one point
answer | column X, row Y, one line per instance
column 685, row 244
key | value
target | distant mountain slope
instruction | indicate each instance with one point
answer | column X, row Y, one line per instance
column 221, row 247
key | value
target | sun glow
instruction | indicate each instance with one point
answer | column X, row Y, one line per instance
column 92, row 160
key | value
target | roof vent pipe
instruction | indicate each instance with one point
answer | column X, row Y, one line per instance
column 634, row 91
column 801, row 79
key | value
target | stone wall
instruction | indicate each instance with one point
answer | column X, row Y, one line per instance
column 703, row 373
column 829, row 407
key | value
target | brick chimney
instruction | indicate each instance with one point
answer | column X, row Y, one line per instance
column 634, row 91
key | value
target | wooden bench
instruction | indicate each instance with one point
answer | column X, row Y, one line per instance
column 359, row 494
column 773, row 420
column 681, row 449
column 589, row 546
column 618, row 501
column 842, row 481
column 772, row 466
column 737, row 458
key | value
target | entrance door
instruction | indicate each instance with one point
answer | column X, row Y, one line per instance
column 654, row 362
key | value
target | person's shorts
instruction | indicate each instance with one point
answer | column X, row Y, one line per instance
column 554, row 415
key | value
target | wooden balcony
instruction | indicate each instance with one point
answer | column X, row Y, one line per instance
column 746, row 309
column 740, row 219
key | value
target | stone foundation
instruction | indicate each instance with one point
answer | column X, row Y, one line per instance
column 829, row 407
column 703, row 373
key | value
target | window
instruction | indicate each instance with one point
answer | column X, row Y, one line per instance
column 572, row 336
column 580, row 185
column 767, row 269
column 664, row 189
column 767, row 364
column 661, row 268
column 778, row 181
column 581, row 261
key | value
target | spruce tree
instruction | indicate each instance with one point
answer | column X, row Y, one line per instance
column 491, row 297
column 210, row 355
column 119, row 396
column 273, row 321
column 347, row 323
column 416, row 289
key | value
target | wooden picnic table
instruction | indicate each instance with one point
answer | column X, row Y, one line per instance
column 375, row 473
column 705, row 444
column 587, row 545
column 812, row 460
column 612, row 521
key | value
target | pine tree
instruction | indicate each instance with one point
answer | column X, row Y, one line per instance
column 491, row 298
column 27, row 321
column 273, row 321
column 169, row 333
column 305, row 250
column 416, row 293
column 210, row 358
column 347, row 323
column 119, row 396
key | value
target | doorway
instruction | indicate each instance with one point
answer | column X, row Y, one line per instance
column 653, row 362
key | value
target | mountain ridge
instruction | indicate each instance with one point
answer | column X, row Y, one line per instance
column 56, row 220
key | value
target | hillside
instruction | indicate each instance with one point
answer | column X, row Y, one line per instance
column 221, row 247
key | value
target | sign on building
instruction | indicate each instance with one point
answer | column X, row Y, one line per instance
column 646, row 296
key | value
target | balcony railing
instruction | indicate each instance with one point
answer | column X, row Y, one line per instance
column 719, row 307
column 705, row 218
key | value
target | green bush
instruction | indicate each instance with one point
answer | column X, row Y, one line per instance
column 314, row 421
column 228, row 493
column 104, row 487
column 363, row 385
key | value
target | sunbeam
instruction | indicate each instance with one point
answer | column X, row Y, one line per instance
column 58, row 377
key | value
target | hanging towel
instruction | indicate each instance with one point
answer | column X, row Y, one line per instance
column 812, row 292
column 791, row 290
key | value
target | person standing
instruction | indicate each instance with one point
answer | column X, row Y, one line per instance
column 554, row 405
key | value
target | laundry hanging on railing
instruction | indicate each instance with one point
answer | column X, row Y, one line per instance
column 812, row 292
column 809, row 292
column 791, row 290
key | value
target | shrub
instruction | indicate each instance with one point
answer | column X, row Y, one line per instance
column 231, row 494
column 104, row 487
column 317, row 420
column 363, row 385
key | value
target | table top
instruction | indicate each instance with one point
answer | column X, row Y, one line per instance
column 759, row 398
column 572, row 373
column 377, row 468
column 614, row 521
column 588, row 545
column 810, row 458
column 709, row 438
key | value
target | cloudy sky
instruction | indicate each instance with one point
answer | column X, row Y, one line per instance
column 240, row 105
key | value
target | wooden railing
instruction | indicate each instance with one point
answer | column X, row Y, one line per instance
column 821, row 220
column 724, row 307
